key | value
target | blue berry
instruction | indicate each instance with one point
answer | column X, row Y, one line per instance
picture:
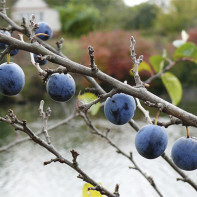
column 2, row 45
column 12, row 79
column 61, row 87
column 45, row 29
column 41, row 62
column 151, row 141
column 13, row 52
column 120, row 108
column 184, row 153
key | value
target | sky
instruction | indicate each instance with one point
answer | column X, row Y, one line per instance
column 134, row 2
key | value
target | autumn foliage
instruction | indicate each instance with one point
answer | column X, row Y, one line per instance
column 112, row 51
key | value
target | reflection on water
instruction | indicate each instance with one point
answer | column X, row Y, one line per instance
column 23, row 174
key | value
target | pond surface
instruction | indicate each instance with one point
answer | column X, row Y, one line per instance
column 22, row 172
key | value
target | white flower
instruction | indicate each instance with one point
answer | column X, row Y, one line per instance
column 185, row 36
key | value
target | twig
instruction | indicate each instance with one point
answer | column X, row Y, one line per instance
column 117, row 190
column 38, row 133
column 172, row 121
column 45, row 116
column 92, row 61
column 3, row 6
column 181, row 173
column 145, row 112
column 59, row 44
column 136, row 62
column 95, row 84
column 84, row 107
column 168, row 67
column 48, row 72
column 5, row 52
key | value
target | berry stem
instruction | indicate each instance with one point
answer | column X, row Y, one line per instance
column 41, row 34
column 187, row 131
column 8, row 58
column 157, row 116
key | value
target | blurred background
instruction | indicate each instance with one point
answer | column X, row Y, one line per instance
column 106, row 25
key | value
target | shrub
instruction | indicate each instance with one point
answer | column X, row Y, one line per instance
column 112, row 52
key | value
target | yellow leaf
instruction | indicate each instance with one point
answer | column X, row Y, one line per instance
column 90, row 193
column 87, row 98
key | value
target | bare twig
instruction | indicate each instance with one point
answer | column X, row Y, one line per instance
column 117, row 190
column 5, row 52
column 181, row 173
column 145, row 112
column 38, row 133
column 172, row 121
column 45, row 116
column 59, row 44
column 92, row 61
column 168, row 67
column 3, row 6
column 136, row 62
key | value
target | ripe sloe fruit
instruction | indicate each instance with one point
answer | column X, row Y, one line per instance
column 151, row 141
column 41, row 62
column 45, row 29
column 12, row 79
column 184, row 153
column 120, row 108
column 2, row 45
column 61, row 87
column 13, row 52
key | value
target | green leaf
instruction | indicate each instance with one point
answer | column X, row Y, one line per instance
column 157, row 62
column 87, row 98
column 144, row 66
column 173, row 87
column 90, row 193
column 186, row 50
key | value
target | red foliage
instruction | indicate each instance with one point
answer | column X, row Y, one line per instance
column 193, row 35
column 112, row 51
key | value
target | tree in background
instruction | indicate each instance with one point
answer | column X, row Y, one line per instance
column 181, row 14
column 141, row 16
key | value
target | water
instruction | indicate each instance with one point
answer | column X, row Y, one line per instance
column 22, row 172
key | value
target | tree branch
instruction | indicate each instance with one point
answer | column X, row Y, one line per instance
column 74, row 67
